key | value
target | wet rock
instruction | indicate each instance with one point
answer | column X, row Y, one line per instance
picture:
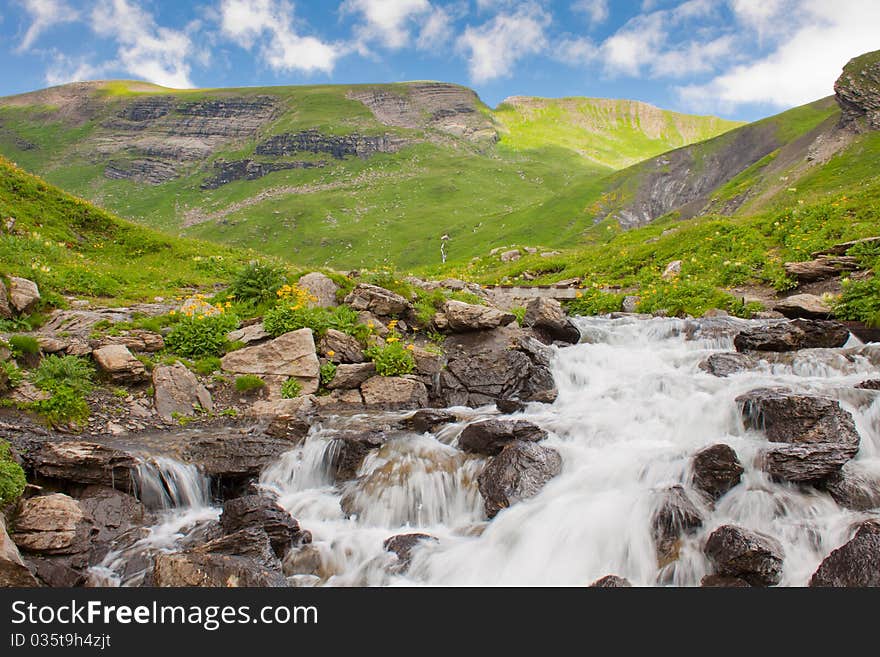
column 24, row 295
column 611, row 582
column 744, row 554
column 177, row 391
column 113, row 512
column 53, row 524
column 510, row 406
column 805, row 306
column 290, row 355
column 811, row 463
column 378, row 300
column 854, row 564
column 723, row 365
column 854, row 489
column 321, row 286
column 716, row 470
column 83, row 462
column 231, row 457
column 340, row 347
column 258, row 511
column 675, row 515
column 13, row 571
column 722, row 582
column 870, row 384
column 519, row 472
column 305, row 560
column 489, row 437
column 464, row 317
column 249, row 334
column 243, row 559
column 792, row 418
column 792, row 336
column 428, row 363
column 394, row 393
column 403, row 544
column 351, row 376
column 350, row 449
column 486, row 366
column 119, row 365
column 547, row 318
column 429, row 419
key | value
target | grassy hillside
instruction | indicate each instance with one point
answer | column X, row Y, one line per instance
column 612, row 133
column 444, row 175
column 70, row 247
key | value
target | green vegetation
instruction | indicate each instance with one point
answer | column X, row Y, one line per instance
column 23, row 345
column 328, row 372
column 12, row 479
column 249, row 383
column 392, row 358
column 293, row 312
column 201, row 332
column 10, row 374
column 64, row 407
column 291, row 389
column 257, row 282
column 207, row 366
column 72, row 373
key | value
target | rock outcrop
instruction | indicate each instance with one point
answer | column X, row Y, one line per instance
column 258, row 511
column 378, row 300
column 858, row 92
column 460, row 317
column 338, row 146
column 227, row 172
column 394, row 393
column 289, row 355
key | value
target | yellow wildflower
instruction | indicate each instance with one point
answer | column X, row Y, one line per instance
column 331, row 353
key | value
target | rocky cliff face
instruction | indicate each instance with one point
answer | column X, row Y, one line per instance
column 313, row 141
column 858, row 92
column 227, row 172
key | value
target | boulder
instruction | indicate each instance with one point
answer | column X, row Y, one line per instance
column 176, row 390
column 675, row 515
column 290, row 355
column 791, row 336
column 744, row 554
column 119, row 365
column 24, row 295
column 489, row 437
column 83, row 462
column 340, row 347
column 429, row 419
column 428, row 363
column 724, row 365
column 486, row 366
column 350, row 449
column 519, row 472
column 378, row 300
column 402, row 545
column 340, row 400
column 821, row 268
column 464, row 317
column 547, row 318
column 13, row 571
column 611, row 582
column 510, row 406
column 306, row 560
column 854, row 564
column 804, row 306
column 52, row 525
column 870, row 384
column 630, row 304
column 113, row 512
column 716, row 470
column 351, row 376
column 854, row 489
column 5, row 310
column 258, row 511
column 809, row 464
column 249, row 334
column 394, row 393
column 322, row 287
column 672, row 270
column 243, row 559
column 511, row 256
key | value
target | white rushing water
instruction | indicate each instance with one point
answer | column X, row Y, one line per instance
column 633, row 408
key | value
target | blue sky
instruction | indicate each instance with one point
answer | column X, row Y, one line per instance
column 737, row 58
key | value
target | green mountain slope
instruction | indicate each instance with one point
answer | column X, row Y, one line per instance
column 348, row 176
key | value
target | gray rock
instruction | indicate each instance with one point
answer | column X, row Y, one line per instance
column 675, row 515
column 290, row 355
column 378, row 300
column 83, row 462
column 854, row 564
column 258, row 511
column 24, row 295
column 792, row 336
column 805, row 306
column 744, row 554
column 429, row 419
column 350, row 449
column 723, row 365
column 854, row 489
column 716, row 470
column 340, row 347
column 13, row 571
column 249, row 334
column 402, row 545
column 631, row 303
column 137, row 341
column 489, row 437
column 321, row 286
column 394, row 393
column 463, row 317
column 119, row 365
column 52, row 525
column 351, row 376
column 5, row 310
column 178, row 391
column 787, row 417
column 549, row 322
column 519, row 472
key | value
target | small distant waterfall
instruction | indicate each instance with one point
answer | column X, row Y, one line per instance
column 164, row 484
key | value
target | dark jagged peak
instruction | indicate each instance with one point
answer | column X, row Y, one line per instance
column 858, row 92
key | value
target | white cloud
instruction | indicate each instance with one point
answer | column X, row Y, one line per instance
column 496, row 46
column 575, row 51
column 45, row 14
column 388, row 22
column 66, row 69
column 595, row 10
column 147, row 50
column 804, row 65
column 436, row 30
column 269, row 23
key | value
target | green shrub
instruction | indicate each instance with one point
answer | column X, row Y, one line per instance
column 328, row 372
column 679, row 298
column 65, row 406
column 391, row 359
column 257, row 282
column 286, row 317
column 592, row 301
column 24, row 345
column 519, row 313
column 200, row 336
column 206, row 366
column 249, row 383
column 12, row 480
column 13, row 375
column 64, row 372
column 291, row 388
column 860, row 301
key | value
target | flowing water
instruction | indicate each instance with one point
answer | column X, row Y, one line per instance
column 633, row 408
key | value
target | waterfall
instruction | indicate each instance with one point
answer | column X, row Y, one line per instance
column 163, row 483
